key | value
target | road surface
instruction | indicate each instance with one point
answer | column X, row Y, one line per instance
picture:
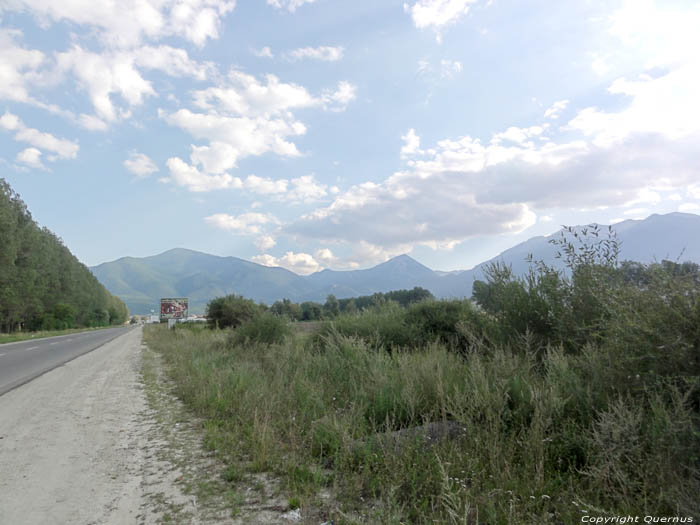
column 23, row 361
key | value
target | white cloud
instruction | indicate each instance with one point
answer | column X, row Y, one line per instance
column 689, row 207
column 289, row 5
column 600, row 65
column 127, row 23
column 556, row 108
column 103, row 75
column 306, row 189
column 245, row 95
column 666, row 105
column 92, row 122
column 411, row 144
column 264, row 52
column 244, row 224
column 664, row 33
column 18, row 67
column 62, row 148
column 461, row 188
column 106, row 75
column 30, row 157
column 140, row 164
column 324, row 53
column 194, row 180
column 265, row 186
column 518, row 135
column 339, row 99
column 636, row 211
column 232, row 138
column 172, row 61
column 299, row 263
column 246, row 117
column 265, row 243
column 437, row 14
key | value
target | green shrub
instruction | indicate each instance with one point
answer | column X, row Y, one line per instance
column 265, row 328
column 231, row 311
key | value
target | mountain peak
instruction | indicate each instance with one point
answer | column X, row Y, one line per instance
column 404, row 262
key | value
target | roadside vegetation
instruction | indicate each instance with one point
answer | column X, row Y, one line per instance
column 547, row 397
column 43, row 286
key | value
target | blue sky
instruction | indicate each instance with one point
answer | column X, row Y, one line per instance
column 316, row 134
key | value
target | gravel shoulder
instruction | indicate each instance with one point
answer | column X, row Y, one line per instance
column 83, row 444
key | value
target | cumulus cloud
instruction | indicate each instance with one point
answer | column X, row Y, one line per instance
column 306, row 263
column 140, row 164
column 306, row 189
column 243, row 94
column 289, row 5
column 411, row 144
column 339, row 99
column 129, row 22
column 104, row 76
column 244, row 117
column 18, row 67
column 61, row 148
column 437, row 14
column 232, row 138
column 689, row 207
column 30, row 157
column 555, row 109
column 634, row 155
column 264, row 52
column 299, row 263
column 244, row 224
column 184, row 175
column 324, row 53
column 265, row 243
column 264, row 185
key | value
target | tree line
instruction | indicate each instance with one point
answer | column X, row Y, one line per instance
column 43, row 286
column 233, row 310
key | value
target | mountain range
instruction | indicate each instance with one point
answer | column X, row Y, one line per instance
column 141, row 282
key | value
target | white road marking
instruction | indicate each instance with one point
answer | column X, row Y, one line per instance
column 31, row 348
column 54, row 343
column 2, row 355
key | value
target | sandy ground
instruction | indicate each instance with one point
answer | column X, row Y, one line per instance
column 74, row 443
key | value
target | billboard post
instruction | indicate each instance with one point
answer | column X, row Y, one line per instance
column 173, row 308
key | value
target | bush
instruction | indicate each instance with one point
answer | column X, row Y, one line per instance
column 265, row 328
column 454, row 323
column 231, row 311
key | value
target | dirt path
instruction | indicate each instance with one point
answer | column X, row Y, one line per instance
column 81, row 445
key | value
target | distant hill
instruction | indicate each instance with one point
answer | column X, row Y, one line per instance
column 670, row 236
column 141, row 282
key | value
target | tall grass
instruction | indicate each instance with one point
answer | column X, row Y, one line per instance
column 544, row 434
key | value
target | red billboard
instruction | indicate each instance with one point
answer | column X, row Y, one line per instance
column 173, row 308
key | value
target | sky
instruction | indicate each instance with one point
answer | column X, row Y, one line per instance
column 315, row 134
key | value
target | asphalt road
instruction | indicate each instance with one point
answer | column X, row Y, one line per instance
column 23, row 361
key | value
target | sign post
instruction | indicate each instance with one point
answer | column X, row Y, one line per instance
column 174, row 308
